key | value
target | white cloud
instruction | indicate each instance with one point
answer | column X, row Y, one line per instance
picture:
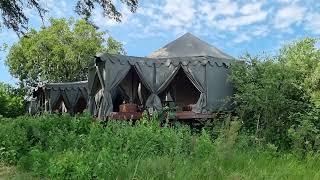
column 288, row 16
column 233, row 23
column 254, row 32
column 104, row 22
column 260, row 31
column 313, row 22
column 242, row 38
column 287, row 1
column 226, row 15
column 213, row 9
column 205, row 17
column 177, row 13
column 178, row 16
column 251, row 8
column 57, row 9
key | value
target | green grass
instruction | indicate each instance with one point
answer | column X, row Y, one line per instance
column 238, row 166
column 63, row 147
column 11, row 172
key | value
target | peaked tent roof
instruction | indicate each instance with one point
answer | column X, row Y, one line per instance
column 62, row 86
column 188, row 45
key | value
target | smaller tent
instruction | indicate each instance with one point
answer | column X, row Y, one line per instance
column 60, row 97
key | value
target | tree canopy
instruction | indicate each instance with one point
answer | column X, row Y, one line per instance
column 276, row 94
column 14, row 16
column 11, row 101
column 58, row 53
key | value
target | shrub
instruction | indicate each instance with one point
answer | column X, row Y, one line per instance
column 64, row 147
column 76, row 148
column 11, row 101
column 271, row 90
column 305, row 134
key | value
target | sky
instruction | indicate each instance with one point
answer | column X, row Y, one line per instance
column 235, row 27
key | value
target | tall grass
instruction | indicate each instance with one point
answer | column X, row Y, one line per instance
column 64, row 147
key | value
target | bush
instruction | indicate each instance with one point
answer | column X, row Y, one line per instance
column 305, row 135
column 11, row 101
column 64, row 147
column 74, row 147
column 270, row 91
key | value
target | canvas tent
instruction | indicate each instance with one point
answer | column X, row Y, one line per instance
column 63, row 97
column 188, row 58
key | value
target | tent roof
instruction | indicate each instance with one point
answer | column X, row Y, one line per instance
column 63, row 86
column 121, row 59
column 189, row 45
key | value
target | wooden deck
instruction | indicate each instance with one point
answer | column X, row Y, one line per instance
column 181, row 115
column 125, row 115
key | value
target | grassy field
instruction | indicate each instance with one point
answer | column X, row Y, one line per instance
column 63, row 147
column 239, row 166
column 11, row 172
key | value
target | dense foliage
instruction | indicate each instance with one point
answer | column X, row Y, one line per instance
column 277, row 98
column 58, row 53
column 64, row 147
column 14, row 15
column 11, row 101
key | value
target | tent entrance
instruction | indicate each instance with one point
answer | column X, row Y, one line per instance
column 182, row 91
column 130, row 90
column 81, row 105
column 59, row 106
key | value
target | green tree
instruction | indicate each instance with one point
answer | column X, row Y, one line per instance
column 11, row 101
column 14, row 17
column 272, row 94
column 58, row 53
column 266, row 95
column 304, row 58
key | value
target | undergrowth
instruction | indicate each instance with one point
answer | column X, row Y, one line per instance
column 64, row 147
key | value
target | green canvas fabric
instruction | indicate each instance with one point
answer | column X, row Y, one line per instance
column 70, row 98
column 197, row 75
column 188, row 45
column 113, row 73
column 92, row 89
column 69, row 92
column 219, row 88
column 208, row 74
column 129, row 86
column 156, row 78
column 53, row 99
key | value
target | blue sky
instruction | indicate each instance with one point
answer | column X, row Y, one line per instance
column 235, row 27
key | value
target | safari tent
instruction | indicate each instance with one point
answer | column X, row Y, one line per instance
column 59, row 97
column 191, row 72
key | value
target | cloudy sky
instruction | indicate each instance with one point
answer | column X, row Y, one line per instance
column 235, row 27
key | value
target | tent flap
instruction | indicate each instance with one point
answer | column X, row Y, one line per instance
column 156, row 79
column 197, row 75
column 53, row 99
column 114, row 73
column 71, row 97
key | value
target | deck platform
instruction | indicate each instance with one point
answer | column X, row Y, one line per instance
column 180, row 115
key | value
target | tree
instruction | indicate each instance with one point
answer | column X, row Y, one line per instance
column 58, row 53
column 304, row 58
column 14, row 17
column 11, row 101
column 273, row 94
